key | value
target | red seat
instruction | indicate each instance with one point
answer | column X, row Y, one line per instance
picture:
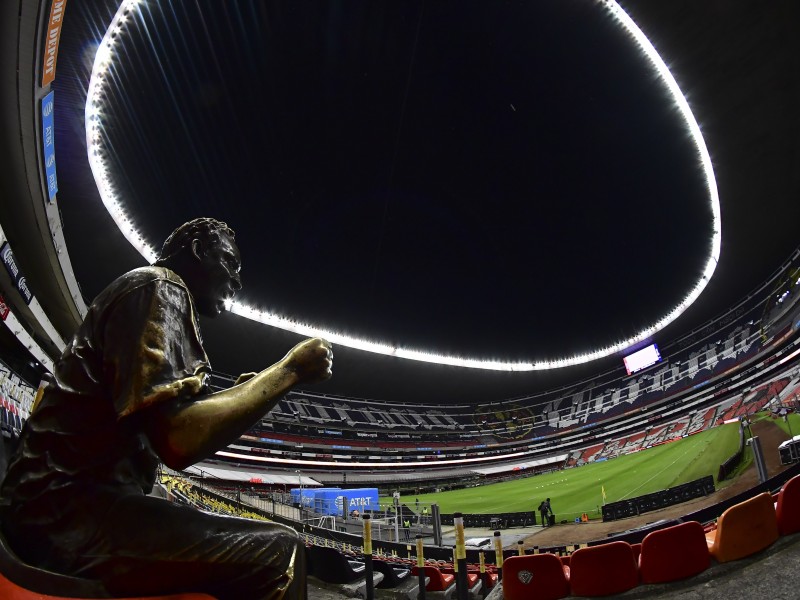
column 787, row 508
column 489, row 580
column 535, row 577
column 11, row 591
column 473, row 575
column 603, row 570
column 637, row 550
column 674, row 553
column 439, row 581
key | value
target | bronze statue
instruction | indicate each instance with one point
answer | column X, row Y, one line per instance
column 129, row 391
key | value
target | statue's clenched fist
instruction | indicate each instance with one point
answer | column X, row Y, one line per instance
column 311, row 360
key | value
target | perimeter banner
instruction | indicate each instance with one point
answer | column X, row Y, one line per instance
column 7, row 257
column 49, row 145
column 51, row 41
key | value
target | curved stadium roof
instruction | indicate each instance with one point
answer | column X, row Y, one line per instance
column 515, row 198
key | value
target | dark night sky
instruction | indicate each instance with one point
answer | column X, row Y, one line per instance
column 504, row 180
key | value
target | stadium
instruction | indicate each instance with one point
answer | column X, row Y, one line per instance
column 552, row 245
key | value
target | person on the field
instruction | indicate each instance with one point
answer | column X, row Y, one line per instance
column 543, row 512
column 128, row 392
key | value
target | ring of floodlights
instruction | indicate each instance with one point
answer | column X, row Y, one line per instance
column 103, row 63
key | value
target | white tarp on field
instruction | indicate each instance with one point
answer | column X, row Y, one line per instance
column 253, row 476
column 522, row 465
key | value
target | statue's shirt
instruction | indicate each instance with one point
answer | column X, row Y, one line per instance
column 84, row 444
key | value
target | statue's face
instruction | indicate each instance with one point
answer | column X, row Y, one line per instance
column 220, row 264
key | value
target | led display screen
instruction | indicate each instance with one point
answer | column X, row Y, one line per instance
column 641, row 359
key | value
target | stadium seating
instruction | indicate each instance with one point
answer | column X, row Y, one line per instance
column 637, row 551
column 488, row 579
column 674, row 553
column 787, row 508
column 291, row 418
column 744, row 529
column 535, row 577
column 393, row 573
column 439, row 582
column 332, row 566
column 603, row 570
column 474, row 581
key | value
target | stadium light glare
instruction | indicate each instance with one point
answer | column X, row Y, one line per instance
column 103, row 62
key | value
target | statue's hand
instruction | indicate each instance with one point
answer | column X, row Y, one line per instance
column 311, row 360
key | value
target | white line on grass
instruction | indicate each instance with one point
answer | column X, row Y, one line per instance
column 646, row 481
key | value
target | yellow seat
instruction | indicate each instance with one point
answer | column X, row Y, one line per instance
column 744, row 529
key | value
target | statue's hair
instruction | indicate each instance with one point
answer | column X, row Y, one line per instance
column 204, row 229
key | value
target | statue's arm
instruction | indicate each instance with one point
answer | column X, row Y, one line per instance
column 185, row 431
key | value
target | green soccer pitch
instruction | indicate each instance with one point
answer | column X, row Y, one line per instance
column 579, row 490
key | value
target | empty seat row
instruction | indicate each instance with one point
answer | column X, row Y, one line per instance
column 670, row 554
column 333, row 566
column 444, row 578
column 666, row 555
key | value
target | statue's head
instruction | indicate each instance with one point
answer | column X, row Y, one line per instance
column 204, row 254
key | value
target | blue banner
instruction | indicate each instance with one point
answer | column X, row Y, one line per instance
column 48, row 136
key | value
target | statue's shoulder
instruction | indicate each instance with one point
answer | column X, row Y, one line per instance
column 137, row 279
column 149, row 274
